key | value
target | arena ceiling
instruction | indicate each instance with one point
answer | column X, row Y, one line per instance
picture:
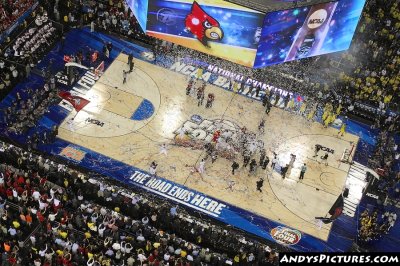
column 272, row 5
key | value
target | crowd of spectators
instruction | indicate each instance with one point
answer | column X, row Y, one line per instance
column 376, row 53
column 33, row 43
column 385, row 161
column 28, row 106
column 372, row 227
column 388, row 221
column 53, row 215
column 11, row 10
column 368, row 226
column 19, row 56
column 386, row 150
column 17, row 59
column 119, row 19
column 108, row 16
column 9, row 77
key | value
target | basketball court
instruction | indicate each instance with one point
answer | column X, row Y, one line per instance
column 129, row 123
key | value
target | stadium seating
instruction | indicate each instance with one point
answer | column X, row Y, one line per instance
column 10, row 11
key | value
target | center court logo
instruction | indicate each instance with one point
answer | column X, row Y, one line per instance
column 199, row 129
column 317, row 19
column 285, row 236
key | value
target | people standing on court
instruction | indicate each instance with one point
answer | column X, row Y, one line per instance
column 199, row 73
column 200, row 95
column 262, row 157
column 235, row 166
column 153, row 168
column 265, row 163
column 292, row 159
column 316, row 150
column 268, row 107
column 210, row 100
column 163, row 149
column 189, row 86
column 274, row 161
column 246, row 158
column 130, row 58
column 260, row 184
column 277, row 98
column 124, row 74
column 253, row 166
column 325, row 158
column 342, row 130
column 214, row 156
column 284, row 170
column 202, row 166
column 265, row 100
column 130, row 63
column 261, row 126
column 209, row 149
column 302, row 171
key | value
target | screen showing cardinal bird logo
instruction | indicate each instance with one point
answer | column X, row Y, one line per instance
column 203, row 26
column 215, row 27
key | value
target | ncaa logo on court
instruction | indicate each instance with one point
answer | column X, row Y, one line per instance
column 317, row 19
column 285, row 236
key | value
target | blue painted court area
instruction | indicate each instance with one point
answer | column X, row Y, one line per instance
column 144, row 111
column 344, row 229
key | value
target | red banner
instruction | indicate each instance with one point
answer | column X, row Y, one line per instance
column 77, row 102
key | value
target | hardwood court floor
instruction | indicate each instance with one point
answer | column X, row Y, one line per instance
column 137, row 142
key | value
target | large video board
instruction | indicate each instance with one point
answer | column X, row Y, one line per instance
column 216, row 27
column 139, row 9
column 307, row 31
